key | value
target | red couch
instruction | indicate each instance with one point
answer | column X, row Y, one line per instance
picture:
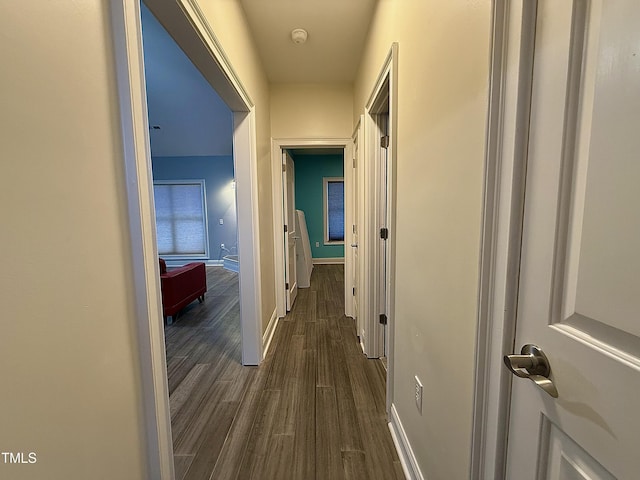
column 180, row 287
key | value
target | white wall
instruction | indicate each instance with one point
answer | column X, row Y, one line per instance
column 309, row 110
column 70, row 374
column 443, row 91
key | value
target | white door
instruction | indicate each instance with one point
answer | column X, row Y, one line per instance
column 290, row 235
column 355, row 272
column 383, row 222
column 579, row 292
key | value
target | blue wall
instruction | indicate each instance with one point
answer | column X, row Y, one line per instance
column 310, row 170
column 217, row 173
column 194, row 120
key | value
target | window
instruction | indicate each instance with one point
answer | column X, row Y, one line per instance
column 181, row 218
column 333, row 210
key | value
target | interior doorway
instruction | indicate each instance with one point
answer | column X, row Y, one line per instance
column 381, row 157
column 377, row 236
column 190, row 134
column 318, row 241
column 378, row 166
column 187, row 25
column 190, row 31
column 356, row 212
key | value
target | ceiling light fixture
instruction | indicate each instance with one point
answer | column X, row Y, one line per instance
column 299, row 36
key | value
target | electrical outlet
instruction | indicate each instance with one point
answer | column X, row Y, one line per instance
column 221, row 221
column 317, row 244
column 418, row 394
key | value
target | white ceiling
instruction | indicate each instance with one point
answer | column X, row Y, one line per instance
column 337, row 31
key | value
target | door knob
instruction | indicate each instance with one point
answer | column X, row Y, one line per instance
column 533, row 364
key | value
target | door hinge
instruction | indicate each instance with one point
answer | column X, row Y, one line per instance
column 354, row 163
column 383, row 319
column 285, row 229
column 284, row 167
column 286, row 286
column 384, row 233
column 353, row 290
column 384, row 141
column 353, row 228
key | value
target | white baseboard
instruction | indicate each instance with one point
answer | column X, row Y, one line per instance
column 181, row 263
column 328, row 261
column 268, row 333
column 407, row 458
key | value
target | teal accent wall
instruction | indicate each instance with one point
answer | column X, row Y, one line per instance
column 310, row 170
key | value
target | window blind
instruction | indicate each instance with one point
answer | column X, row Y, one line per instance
column 181, row 219
column 335, row 210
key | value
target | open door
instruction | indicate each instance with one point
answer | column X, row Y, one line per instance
column 376, row 234
column 579, row 284
column 355, row 217
column 383, row 222
column 290, row 234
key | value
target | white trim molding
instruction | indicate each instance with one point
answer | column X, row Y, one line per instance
column 184, row 261
column 513, row 32
column 354, row 206
column 269, row 332
column 246, row 173
column 403, row 447
column 231, row 79
column 370, row 301
column 328, row 261
column 127, row 34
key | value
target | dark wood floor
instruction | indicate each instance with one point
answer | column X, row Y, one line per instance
column 314, row 409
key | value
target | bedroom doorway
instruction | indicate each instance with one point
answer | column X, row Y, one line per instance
column 191, row 139
column 189, row 28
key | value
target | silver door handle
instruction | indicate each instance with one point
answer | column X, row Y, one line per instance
column 533, row 364
column 354, row 245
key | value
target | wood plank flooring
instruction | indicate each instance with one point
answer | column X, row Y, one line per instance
column 314, row 409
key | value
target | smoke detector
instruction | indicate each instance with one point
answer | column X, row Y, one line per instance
column 299, row 36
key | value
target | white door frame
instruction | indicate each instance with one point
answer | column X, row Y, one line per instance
column 385, row 88
column 277, row 146
column 373, row 334
column 505, row 171
column 357, row 221
column 189, row 27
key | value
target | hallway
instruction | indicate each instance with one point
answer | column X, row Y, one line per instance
column 315, row 408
